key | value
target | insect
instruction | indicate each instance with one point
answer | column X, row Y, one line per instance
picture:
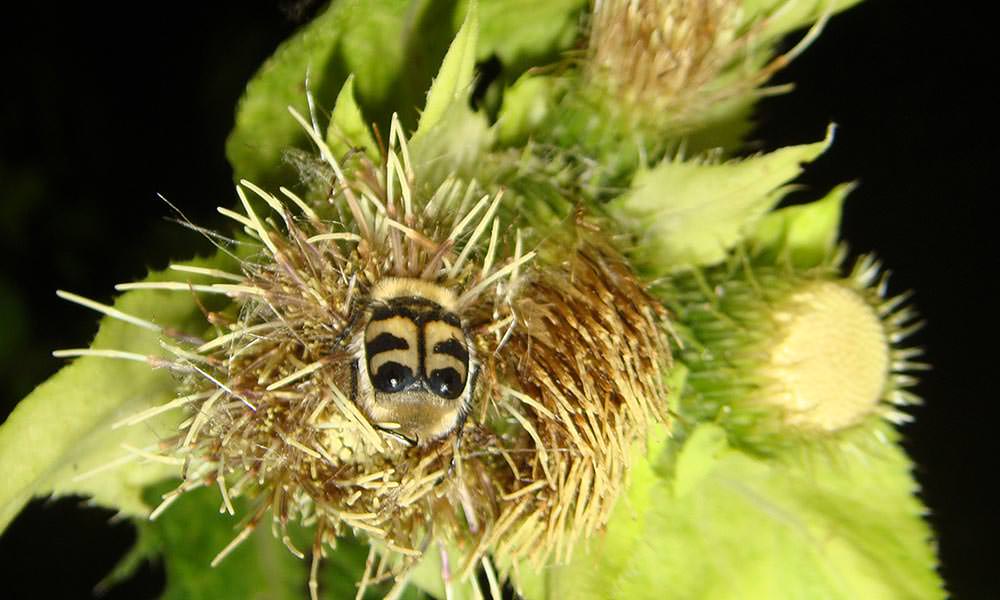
column 414, row 364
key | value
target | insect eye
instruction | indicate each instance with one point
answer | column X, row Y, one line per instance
column 392, row 377
column 446, row 383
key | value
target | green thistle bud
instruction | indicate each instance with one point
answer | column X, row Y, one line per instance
column 654, row 62
column 779, row 354
column 655, row 75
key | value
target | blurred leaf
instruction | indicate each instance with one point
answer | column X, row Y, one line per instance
column 428, row 577
column 453, row 83
column 697, row 460
column 685, row 213
column 395, row 47
column 452, row 147
column 781, row 16
column 805, row 235
column 833, row 523
column 525, row 107
column 63, row 428
column 528, row 33
column 260, row 568
column 451, row 136
column 606, row 551
column 348, row 37
column 723, row 128
column 347, row 128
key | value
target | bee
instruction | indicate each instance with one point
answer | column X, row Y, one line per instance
column 414, row 365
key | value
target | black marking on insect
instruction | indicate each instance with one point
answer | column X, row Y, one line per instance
column 415, row 366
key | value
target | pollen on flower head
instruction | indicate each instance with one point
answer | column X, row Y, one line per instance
column 829, row 361
column 779, row 356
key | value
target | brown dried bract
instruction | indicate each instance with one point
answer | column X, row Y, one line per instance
column 585, row 374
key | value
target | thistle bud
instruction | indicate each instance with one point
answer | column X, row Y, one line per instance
column 656, row 62
column 777, row 354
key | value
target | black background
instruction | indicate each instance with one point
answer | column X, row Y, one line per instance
column 101, row 108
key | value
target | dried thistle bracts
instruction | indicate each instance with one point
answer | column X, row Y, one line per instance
column 667, row 63
column 564, row 359
column 658, row 78
column 588, row 368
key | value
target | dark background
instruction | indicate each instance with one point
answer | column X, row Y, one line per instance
column 102, row 108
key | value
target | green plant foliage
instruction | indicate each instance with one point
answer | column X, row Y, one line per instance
column 451, row 87
column 428, row 576
column 347, row 129
column 451, row 137
column 347, row 37
column 260, row 568
column 689, row 213
column 701, row 518
column 395, row 47
column 805, row 235
column 527, row 33
column 526, row 104
column 783, row 16
column 713, row 522
column 63, row 429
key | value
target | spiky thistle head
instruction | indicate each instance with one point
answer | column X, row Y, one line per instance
column 666, row 65
column 654, row 76
column 780, row 355
column 657, row 57
column 563, row 355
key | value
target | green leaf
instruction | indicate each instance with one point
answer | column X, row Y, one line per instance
column 451, row 137
column 834, row 523
column 347, row 129
column 453, row 83
column 62, row 430
column 722, row 128
column 520, row 35
column 607, row 555
column 803, row 235
column 395, row 47
column 527, row 33
column 699, row 458
column 428, row 576
column 454, row 146
column 348, row 37
column 781, row 16
column 686, row 214
column 526, row 105
column 192, row 532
